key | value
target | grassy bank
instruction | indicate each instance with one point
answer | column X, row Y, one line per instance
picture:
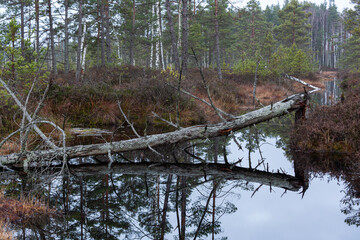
column 92, row 102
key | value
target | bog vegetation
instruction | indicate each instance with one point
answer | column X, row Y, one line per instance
column 88, row 55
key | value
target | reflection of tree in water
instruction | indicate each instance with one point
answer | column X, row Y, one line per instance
column 40, row 222
column 148, row 204
column 341, row 167
column 279, row 128
column 121, row 206
column 351, row 207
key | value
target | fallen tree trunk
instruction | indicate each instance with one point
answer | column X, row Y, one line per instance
column 221, row 171
column 315, row 89
column 185, row 134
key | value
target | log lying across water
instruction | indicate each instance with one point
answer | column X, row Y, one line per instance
column 207, row 170
column 185, row 134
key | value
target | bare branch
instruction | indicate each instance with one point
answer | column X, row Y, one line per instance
column 203, row 101
column 27, row 115
column 207, row 88
column 257, row 189
column 315, row 89
column 166, row 121
column 133, row 129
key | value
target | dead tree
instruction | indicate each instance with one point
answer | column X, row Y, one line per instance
column 184, row 134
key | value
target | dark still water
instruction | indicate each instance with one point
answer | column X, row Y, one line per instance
column 128, row 201
column 222, row 188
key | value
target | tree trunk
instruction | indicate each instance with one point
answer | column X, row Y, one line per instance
column 98, row 45
column 161, row 49
column 53, row 55
column 79, row 47
column 131, row 58
column 152, row 39
column 175, row 53
column 37, row 26
column 213, row 211
column 102, row 33
column 108, row 30
column 255, row 81
column 185, row 36
column 183, row 207
column 165, row 208
column 22, row 28
column 157, row 45
column 217, row 47
column 179, row 23
column 83, row 51
column 66, row 42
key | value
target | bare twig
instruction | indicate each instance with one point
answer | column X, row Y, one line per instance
column 166, row 121
column 203, row 101
column 12, row 134
column 235, row 140
column 127, row 120
column 207, row 88
column 225, row 154
column 193, row 155
column 27, row 115
column 258, row 100
column 205, row 210
column 178, row 97
column 315, row 89
column 63, row 140
column 37, row 110
column 257, row 189
column 258, row 146
column 23, row 139
column 133, row 129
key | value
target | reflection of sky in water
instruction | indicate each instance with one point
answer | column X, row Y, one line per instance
column 270, row 216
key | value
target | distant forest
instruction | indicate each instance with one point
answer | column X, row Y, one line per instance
column 296, row 38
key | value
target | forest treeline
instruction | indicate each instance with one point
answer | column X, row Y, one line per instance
column 296, row 38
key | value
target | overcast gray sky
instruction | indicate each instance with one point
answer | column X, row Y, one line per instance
column 341, row 4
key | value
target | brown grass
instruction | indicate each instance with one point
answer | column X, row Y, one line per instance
column 25, row 211
column 92, row 101
column 334, row 130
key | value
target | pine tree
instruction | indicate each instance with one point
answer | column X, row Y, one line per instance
column 272, row 14
column 294, row 28
column 268, row 46
column 257, row 24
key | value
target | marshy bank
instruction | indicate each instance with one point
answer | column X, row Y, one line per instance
column 92, row 102
column 329, row 143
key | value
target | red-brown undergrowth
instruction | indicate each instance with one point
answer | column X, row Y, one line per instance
column 92, row 101
column 333, row 130
column 24, row 212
